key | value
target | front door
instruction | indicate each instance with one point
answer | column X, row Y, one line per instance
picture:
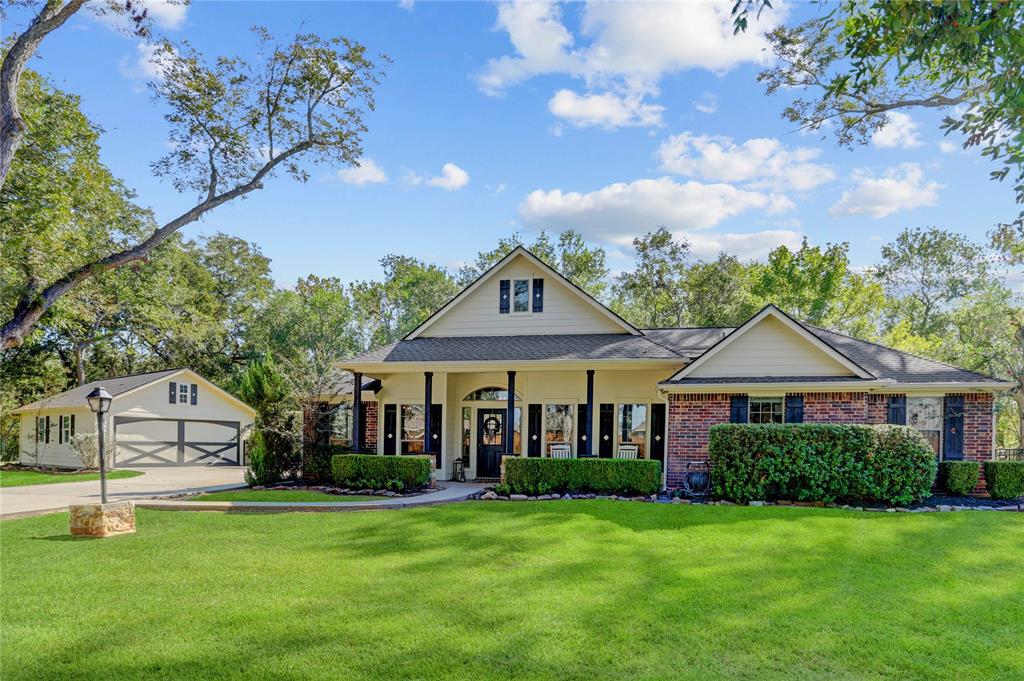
column 490, row 442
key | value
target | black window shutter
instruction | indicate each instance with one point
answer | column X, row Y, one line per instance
column 72, row 424
column 538, row 295
column 390, row 428
column 38, row 421
column 658, row 432
column 581, row 429
column 897, row 412
column 533, row 429
column 953, row 428
column 436, row 424
column 503, row 289
column 195, row 394
column 60, row 430
column 738, row 412
column 47, row 430
column 607, row 430
column 173, row 394
column 794, row 408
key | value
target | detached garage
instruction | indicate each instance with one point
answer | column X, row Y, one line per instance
column 173, row 417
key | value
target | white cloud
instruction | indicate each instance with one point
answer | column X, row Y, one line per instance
column 900, row 131
column 148, row 63
column 900, row 188
column 407, row 5
column 165, row 14
column 619, row 211
column 708, row 103
column 947, row 147
column 606, row 110
column 764, row 163
column 749, row 246
column 452, row 178
column 367, row 172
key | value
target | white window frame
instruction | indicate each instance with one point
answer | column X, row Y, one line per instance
column 65, row 429
column 646, row 446
column 940, row 455
column 401, row 427
column 573, row 425
column 183, row 393
column 775, row 399
column 529, row 298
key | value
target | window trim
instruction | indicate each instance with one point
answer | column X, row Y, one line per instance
column 780, row 400
column 645, row 447
column 940, row 454
column 183, row 393
column 571, row 439
column 401, row 427
column 529, row 299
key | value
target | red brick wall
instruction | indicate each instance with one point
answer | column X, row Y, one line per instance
column 835, row 408
column 877, row 409
column 689, row 418
column 370, row 436
column 978, row 425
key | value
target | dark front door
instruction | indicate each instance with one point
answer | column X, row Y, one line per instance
column 490, row 434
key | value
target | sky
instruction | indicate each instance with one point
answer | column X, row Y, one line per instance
column 493, row 118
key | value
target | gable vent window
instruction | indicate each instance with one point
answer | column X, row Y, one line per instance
column 521, row 295
column 183, row 393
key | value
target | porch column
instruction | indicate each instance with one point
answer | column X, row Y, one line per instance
column 590, row 413
column 428, row 385
column 511, row 413
column 357, row 413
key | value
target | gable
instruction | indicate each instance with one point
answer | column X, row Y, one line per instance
column 566, row 310
column 770, row 348
column 153, row 399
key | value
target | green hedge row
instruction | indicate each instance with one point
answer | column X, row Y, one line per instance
column 1004, row 479
column 316, row 461
column 602, row 476
column 820, row 462
column 377, row 471
column 958, row 477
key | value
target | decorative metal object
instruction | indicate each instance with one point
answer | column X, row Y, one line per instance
column 99, row 401
column 697, row 481
column 459, row 470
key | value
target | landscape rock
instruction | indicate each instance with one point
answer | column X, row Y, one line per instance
column 518, row 497
column 945, row 508
column 567, row 497
column 102, row 520
column 756, row 503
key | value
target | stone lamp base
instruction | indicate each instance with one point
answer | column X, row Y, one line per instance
column 103, row 520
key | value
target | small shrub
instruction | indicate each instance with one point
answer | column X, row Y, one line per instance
column 525, row 475
column 374, row 471
column 262, row 470
column 316, row 461
column 87, row 447
column 503, row 489
column 958, row 477
column 1004, row 479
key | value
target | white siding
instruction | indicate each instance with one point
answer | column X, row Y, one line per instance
column 152, row 400
column 564, row 311
column 53, row 453
column 770, row 348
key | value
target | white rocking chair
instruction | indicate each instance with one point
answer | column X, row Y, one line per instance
column 561, row 452
column 627, row 452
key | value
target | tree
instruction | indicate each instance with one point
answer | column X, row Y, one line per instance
column 926, row 271
column 862, row 60
column 274, row 445
column 652, row 295
column 233, row 125
column 718, row 293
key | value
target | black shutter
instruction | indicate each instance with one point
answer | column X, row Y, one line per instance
column 390, row 428
column 533, row 430
column 658, row 432
column 738, row 412
column 72, row 424
column 897, row 412
column 173, row 394
column 794, row 409
column 607, row 429
column 503, row 296
column 362, row 430
column 435, row 434
column 538, row 295
column 47, row 430
column 195, row 394
column 60, row 430
column 953, row 428
column 581, row 430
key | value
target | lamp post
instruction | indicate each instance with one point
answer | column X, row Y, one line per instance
column 99, row 402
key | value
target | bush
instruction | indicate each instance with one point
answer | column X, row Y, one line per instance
column 958, row 477
column 87, row 447
column 316, row 461
column 378, row 472
column 604, row 476
column 1004, row 479
column 820, row 462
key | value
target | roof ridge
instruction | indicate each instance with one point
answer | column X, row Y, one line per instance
column 662, row 345
column 139, row 373
column 687, row 328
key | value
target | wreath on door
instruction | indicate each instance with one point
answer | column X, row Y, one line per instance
column 491, row 427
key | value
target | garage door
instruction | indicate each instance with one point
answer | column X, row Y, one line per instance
column 175, row 442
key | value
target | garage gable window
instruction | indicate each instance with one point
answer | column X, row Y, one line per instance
column 183, row 393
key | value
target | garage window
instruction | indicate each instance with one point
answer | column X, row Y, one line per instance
column 183, row 393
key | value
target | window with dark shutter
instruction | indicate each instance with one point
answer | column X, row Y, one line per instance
column 72, row 424
column 738, row 409
column 47, row 430
column 897, row 411
column 172, row 394
column 390, row 428
column 534, row 432
column 503, row 296
column 195, row 394
column 581, row 431
column 606, row 428
column 60, row 429
column 794, row 408
column 538, row 295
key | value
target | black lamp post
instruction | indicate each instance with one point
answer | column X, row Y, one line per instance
column 99, row 402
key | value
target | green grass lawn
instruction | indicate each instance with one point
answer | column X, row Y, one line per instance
column 19, row 478
column 555, row 590
column 279, row 495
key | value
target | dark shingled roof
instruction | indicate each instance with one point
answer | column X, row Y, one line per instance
column 715, row 380
column 116, row 385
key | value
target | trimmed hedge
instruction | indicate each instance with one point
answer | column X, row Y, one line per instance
column 1004, row 479
column 820, row 462
column 526, row 475
column 316, row 461
column 376, row 471
column 958, row 477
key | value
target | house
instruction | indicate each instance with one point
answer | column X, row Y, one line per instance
column 522, row 360
column 173, row 417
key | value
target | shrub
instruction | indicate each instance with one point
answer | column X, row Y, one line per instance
column 820, row 462
column 377, row 472
column 87, row 447
column 316, row 461
column 1004, row 479
column 958, row 477
column 606, row 476
column 262, row 469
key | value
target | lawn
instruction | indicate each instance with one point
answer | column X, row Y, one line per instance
column 279, row 495
column 554, row 590
column 20, row 478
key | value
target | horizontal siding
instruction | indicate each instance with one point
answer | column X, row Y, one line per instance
column 152, row 401
column 564, row 311
column 54, row 453
column 771, row 349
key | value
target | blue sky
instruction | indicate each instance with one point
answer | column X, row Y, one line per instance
column 611, row 119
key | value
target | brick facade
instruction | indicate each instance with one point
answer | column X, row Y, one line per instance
column 978, row 425
column 877, row 410
column 835, row 408
column 689, row 418
column 370, row 426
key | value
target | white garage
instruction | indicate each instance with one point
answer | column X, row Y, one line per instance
column 164, row 418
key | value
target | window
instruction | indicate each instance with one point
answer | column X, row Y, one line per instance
column 66, row 431
column 341, row 424
column 765, row 410
column 40, row 429
column 183, row 393
column 925, row 414
column 490, row 394
column 632, row 430
column 521, row 295
column 467, row 433
column 557, row 426
column 412, row 429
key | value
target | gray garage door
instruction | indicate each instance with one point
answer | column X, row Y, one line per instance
column 175, row 442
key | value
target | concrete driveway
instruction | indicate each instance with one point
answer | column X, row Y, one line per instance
column 155, row 482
